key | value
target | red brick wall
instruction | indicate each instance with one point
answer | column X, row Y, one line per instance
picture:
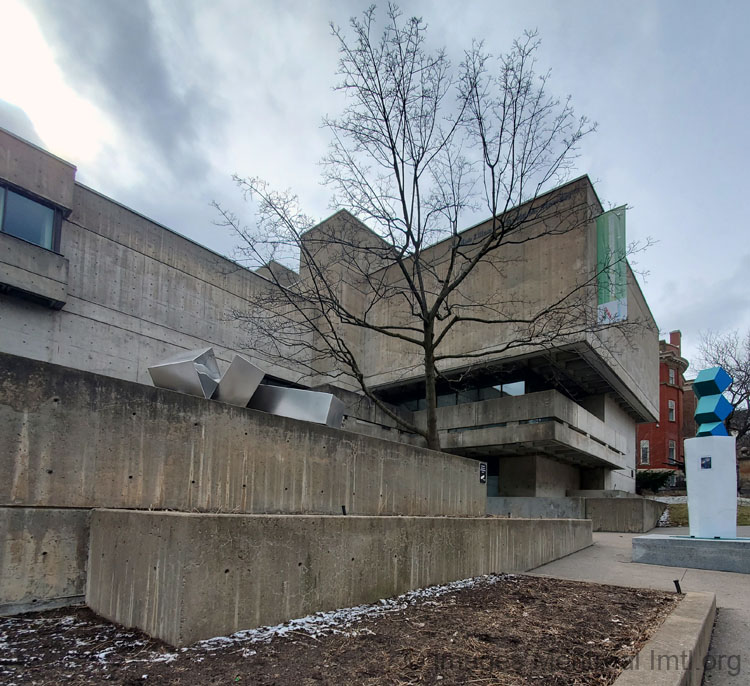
column 658, row 434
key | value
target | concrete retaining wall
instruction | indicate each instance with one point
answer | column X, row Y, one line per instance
column 676, row 654
column 627, row 515
column 185, row 577
column 538, row 508
column 722, row 555
column 74, row 439
column 43, row 555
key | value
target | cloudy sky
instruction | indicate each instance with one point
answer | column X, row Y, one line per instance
column 159, row 102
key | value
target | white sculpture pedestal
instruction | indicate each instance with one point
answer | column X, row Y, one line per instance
column 711, row 473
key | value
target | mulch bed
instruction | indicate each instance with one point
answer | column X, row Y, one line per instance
column 492, row 631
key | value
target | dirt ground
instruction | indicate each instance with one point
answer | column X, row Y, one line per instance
column 491, row 631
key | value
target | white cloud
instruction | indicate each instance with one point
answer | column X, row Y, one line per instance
column 70, row 125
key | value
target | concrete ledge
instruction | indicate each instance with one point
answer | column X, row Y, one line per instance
column 675, row 655
column 42, row 605
column 186, row 577
column 537, row 508
column 722, row 555
column 43, row 555
column 600, row 493
column 74, row 439
column 31, row 271
column 634, row 515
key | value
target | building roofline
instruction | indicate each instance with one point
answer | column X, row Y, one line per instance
column 164, row 227
column 39, row 148
column 578, row 179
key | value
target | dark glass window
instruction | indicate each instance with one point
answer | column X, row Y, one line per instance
column 27, row 219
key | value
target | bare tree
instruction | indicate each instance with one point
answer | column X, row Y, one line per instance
column 419, row 147
column 732, row 352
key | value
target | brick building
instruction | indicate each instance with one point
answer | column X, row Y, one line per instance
column 660, row 444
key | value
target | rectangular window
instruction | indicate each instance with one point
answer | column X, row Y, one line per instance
column 672, row 452
column 671, row 410
column 671, row 376
column 515, row 388
column 27, row 219
column 645, row 454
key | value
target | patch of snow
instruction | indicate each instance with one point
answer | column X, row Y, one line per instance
column 155, row 657
column 337, row 621
column 104, row 654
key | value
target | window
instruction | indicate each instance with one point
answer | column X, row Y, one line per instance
column 645, row 454
column 27, row 219
column 671, row 453
column 671, row 411
column 671, row 376
column 469, row 395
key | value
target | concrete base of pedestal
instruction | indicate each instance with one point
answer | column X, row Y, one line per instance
column 720, row 554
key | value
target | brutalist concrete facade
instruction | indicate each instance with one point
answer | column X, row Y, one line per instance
column 132, row 292
column 81, row 427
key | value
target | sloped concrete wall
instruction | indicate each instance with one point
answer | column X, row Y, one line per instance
column 186, row 577
column 73, row 439
column 629, row 515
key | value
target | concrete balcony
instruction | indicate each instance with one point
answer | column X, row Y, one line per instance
column 545, row 423
column 33, row 272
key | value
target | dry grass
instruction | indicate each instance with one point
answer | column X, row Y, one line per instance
column 678, row 515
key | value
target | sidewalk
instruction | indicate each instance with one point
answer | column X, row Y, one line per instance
column 608, row 562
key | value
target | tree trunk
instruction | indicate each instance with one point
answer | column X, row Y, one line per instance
column 430, row 379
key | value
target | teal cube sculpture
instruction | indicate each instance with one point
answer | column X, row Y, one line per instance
column 712, row 408
column 712, row 429
column 713, row 381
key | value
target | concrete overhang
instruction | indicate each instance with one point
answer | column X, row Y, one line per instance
column 32, row 272
column 551, row 438
column 536, row 423
column 575, row 367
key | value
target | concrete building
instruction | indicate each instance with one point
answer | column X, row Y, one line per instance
column 661, row 444
column 91, row 285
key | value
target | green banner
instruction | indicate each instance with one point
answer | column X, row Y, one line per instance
column 611, row 267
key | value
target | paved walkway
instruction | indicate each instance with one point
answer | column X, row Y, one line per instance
column 608, row 562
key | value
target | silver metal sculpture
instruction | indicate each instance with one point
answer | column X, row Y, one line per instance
column 310, row 406
column 194, row 372
column 239, row 382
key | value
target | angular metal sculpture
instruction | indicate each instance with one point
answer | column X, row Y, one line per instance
column 310, row 406
column 194, row 372
column 239, row 382
column 711, row 381
column 713, row 408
